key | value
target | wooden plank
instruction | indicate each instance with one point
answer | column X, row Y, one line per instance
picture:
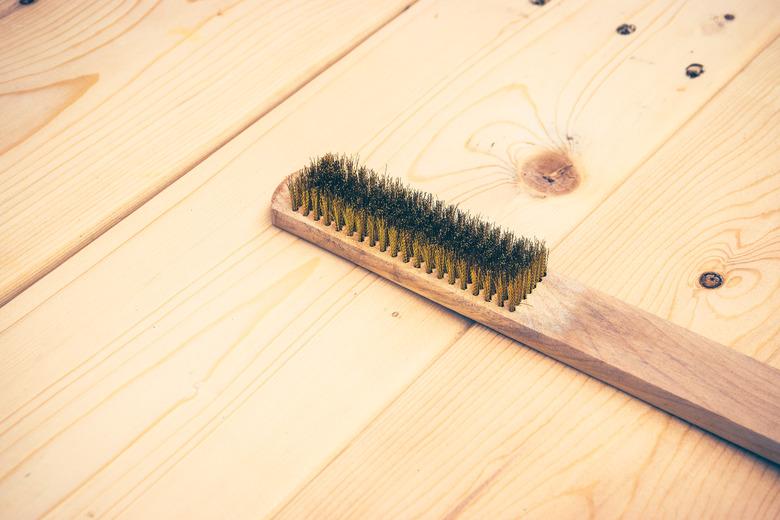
column 191, row 361
column 111, row 103
column 696, row 379
column 491, row 430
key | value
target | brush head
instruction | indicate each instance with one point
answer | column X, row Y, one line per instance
column 422, row 229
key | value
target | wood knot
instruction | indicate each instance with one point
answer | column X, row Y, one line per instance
column 550, row 173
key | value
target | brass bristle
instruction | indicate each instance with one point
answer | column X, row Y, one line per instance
column 419, row 228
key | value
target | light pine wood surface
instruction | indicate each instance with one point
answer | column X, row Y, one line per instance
column 110, row 103
column 194, row 360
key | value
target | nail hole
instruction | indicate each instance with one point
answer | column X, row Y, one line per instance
column 538, row 2
column 729, row 17
column 710, row 280
column 26, row 2
column 626, row 28
column 694, row 70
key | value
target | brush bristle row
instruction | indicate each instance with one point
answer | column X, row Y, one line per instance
column 419, row 229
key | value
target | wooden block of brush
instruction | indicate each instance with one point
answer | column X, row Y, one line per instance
column 692, row 377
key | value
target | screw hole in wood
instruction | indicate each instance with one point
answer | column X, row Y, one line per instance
column 711, row 280
column 694, row 70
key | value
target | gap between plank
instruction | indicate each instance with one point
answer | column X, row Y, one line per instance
column 125, row 212
column 340, row 451
column 671, row 136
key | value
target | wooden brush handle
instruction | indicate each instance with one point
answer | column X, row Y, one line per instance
column 701, row 381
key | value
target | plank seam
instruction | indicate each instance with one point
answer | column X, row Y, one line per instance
column 123, row 213
column 671, row 137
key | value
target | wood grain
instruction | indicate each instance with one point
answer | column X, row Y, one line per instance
column 106, row 105
column 494, row 431
column 687, row 375
column 194, row 361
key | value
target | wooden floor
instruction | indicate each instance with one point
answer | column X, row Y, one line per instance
column 165, row 352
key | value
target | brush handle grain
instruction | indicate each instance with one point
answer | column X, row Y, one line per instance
column 701, row 381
